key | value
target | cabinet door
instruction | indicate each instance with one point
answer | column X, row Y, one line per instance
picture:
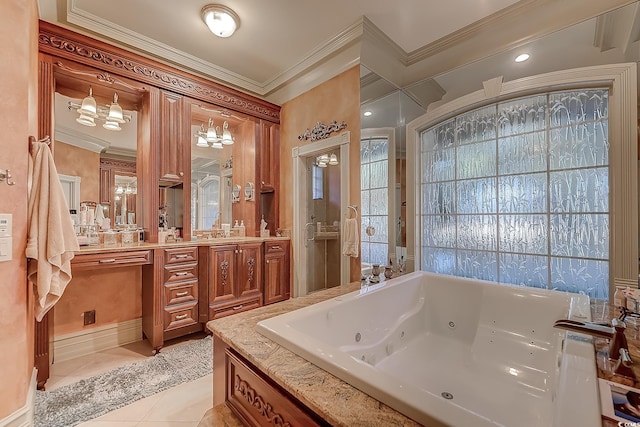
column 269, row 156
column 276, row 274
column 222, row 274
column 171, row 148
column 106, row 186
column 249, row 268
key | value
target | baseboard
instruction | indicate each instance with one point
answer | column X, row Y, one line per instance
column 23, row 417
column 82, row 343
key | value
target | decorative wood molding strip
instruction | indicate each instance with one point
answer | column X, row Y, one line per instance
column 106, row 163
column 67, row 44
column 265, row 409
column 224, row 268
column 103, row 77
column 322, row 131
column 251, row 268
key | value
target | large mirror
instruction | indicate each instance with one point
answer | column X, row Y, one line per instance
column 216, row 134
column 606, row 39
column 98, row 152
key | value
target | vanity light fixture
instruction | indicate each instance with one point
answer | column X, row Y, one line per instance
column 227, row 138
column 221, row 20
column 89, row 111
column 333, row 159
column 522, row 57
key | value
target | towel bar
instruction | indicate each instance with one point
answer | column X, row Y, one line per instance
column 5, row 175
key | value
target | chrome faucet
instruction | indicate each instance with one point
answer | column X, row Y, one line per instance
column 614, row 333
column 618, row 347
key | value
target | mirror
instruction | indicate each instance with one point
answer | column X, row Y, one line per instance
column 384, row 112
column 249, row 192
column 610, row 38
column 211, row 168
column 104, row 160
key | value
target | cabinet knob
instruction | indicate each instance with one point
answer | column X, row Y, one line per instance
column 240, row 250
column 267, row 261
column 181, row 173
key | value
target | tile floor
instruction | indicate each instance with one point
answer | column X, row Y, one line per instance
column 181, row 406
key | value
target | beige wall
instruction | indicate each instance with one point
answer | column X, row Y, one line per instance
column 75, row 161
column 115, row 294
column 18, row 120
column 337, row 99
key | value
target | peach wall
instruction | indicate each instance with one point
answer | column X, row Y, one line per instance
column 75, row 161
column 115, row 295
column 18, row 120
column 336, row 99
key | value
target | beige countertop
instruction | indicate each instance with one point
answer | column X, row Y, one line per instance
column 146, row 245
column 337, row 402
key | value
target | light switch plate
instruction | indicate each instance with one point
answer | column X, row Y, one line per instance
column 5, row 225
column 6, row 248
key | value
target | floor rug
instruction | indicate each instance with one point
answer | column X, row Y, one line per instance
column 89, row 398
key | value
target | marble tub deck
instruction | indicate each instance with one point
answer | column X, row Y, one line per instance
column 339, row 403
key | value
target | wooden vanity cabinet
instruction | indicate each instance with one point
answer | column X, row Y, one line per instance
column 269, row 152
column 234, row 275
column 170, row 295
column 277, row 283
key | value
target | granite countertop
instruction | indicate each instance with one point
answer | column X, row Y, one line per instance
column 146, row 245
column 337, row 402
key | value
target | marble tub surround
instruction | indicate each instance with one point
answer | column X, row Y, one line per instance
column 337, row 402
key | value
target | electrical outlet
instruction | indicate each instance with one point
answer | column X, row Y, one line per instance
column 89, row 317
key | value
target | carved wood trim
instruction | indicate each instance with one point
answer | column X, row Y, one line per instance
column 251, row 263
column 224, row 275
column 67, row 44
column 264, row 408
column 106, row 163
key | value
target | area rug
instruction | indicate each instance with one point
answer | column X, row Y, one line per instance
column 89, row 398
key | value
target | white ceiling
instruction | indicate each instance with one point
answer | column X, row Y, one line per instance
column 284, row 47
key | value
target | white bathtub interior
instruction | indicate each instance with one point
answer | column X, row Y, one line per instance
column 453, row 351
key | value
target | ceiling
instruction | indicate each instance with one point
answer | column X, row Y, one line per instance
column 427, row 48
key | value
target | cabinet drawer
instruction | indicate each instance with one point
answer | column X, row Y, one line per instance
column 177, row 255
column 178, row 293
column 258, row 400
column 218, row 311
column 275, row 247
column 179, row 272
column 110, row 259
column 181, row 315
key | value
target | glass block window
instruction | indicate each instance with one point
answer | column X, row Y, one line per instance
column 374, row 184
column 317, row 183
column 518, row 192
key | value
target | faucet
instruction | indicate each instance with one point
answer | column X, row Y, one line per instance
column 618, row 347
column 614, row 333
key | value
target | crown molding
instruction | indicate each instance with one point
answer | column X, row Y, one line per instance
column 80, row 140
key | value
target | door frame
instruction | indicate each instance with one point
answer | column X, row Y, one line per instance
column 300, row 185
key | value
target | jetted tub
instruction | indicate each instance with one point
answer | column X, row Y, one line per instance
column 452, row 351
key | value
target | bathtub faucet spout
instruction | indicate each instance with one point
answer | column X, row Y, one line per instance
column 614, row 333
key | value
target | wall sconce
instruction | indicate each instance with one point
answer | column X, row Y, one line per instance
column 89, row 111
column 235, row 194
column 249, row 192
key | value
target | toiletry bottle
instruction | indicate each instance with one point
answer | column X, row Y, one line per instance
column 242, row 231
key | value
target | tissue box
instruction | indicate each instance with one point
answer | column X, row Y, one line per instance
column 265, row 233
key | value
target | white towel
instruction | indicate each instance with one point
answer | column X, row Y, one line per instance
column 51, row 238
column 351, row 238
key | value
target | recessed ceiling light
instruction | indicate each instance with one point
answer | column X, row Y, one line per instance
column 221, row 20
column 367, row 113
column 521, row 58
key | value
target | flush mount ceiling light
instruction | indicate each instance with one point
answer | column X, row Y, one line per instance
column 521, row 58
column 221, row 20
column 367, row 113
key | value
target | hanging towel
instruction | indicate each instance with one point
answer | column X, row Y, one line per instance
column 51, row 238
column 351, row 238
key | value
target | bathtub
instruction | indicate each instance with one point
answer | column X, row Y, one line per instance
column 445, row 350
